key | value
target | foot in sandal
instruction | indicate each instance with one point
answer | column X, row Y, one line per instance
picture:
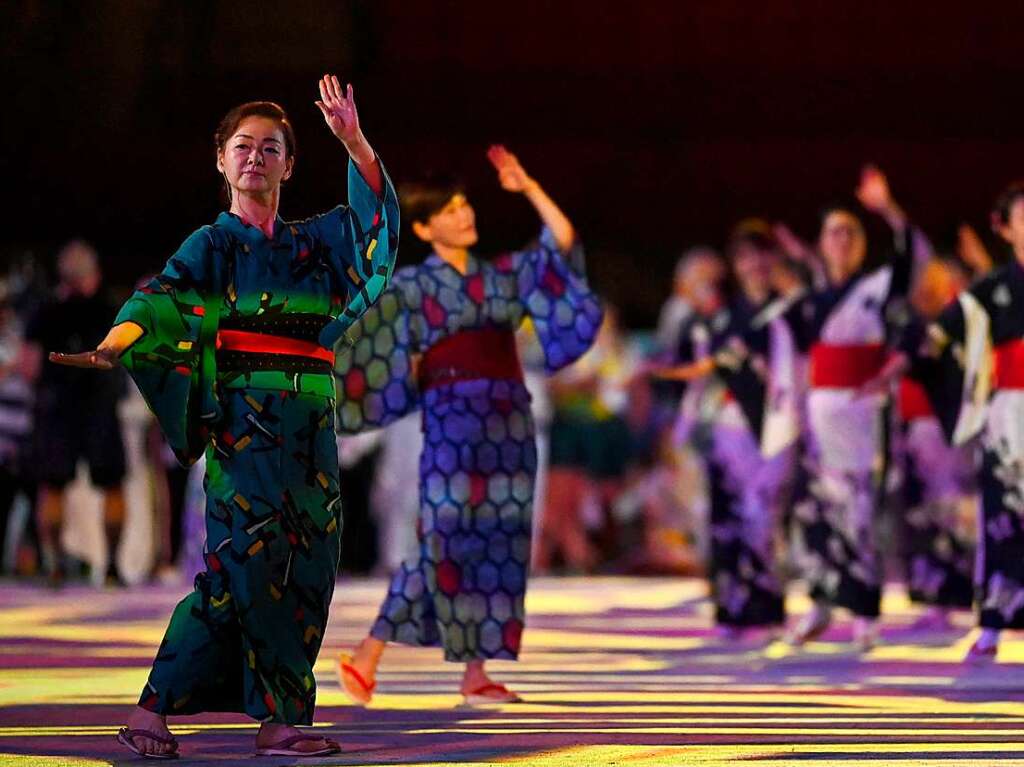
column 357, row 672
column 478, row 689
column 284, row 740
column 146, row 734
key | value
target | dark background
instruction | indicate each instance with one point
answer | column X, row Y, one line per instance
column 656, row 124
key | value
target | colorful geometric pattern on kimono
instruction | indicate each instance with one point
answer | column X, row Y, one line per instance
column 465, row 588
column 429, row 302
column 247, row 637
column 335, row 265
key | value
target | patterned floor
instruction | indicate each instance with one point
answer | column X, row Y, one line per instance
column 615, row 671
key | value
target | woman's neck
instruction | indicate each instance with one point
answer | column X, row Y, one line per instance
column 457, row 258
column 258, row 211
column 756, row 294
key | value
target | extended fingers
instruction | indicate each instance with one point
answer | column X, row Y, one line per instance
column 337, row 90
column 91, row 359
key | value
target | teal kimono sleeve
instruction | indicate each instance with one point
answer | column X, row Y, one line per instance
column 553, row 288
column 362, row 240
column 173, row 362
column 376, row 379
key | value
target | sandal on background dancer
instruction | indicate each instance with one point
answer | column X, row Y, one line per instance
column 357, row 676
column 818, row 620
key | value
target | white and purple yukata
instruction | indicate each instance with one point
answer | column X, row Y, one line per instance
column 750, row 449
column 972, row 365
column 844, row 330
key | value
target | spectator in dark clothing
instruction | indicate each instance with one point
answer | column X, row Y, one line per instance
column 76, row 412
column 15, row 432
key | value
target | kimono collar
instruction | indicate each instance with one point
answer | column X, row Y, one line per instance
column 252, row 235
column 472, row 264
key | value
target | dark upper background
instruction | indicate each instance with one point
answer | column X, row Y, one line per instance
column 655, row 123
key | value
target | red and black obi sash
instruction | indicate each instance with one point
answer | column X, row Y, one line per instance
column 487, row 353
column 284, row 342
column 1010, row 365
column 845, row 366
column 913, row 400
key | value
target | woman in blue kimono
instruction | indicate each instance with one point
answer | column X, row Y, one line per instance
column 441, row 341
column 232, row 347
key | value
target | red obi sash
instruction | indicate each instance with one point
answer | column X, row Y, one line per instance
column 262, row 343
column 488, row 353
column 849, row 366
column 914, row 403
column 1010, row 365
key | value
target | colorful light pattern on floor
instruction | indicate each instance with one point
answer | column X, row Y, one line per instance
column 615, row 672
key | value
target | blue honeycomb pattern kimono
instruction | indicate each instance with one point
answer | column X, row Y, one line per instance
column 441, row 341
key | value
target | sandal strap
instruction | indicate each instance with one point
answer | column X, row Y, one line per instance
column 301, row 737
column 348, row 668
column 492, row 686
column 167, row 740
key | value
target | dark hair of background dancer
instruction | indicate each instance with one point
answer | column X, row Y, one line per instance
column 423, row 199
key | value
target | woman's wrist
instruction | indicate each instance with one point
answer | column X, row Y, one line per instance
column 359, row 150
column 531, row 188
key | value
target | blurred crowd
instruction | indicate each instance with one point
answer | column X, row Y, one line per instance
column 632, row 459
column 90, row 491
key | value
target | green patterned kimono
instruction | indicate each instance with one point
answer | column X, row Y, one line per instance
column 262, row 410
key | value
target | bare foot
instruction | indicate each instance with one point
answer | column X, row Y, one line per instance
column 271, row 734
column 141, row 719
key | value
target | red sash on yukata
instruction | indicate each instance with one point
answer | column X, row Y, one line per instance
column 262, row 343
column 1009, row 358
column 847, row 366
column 914, row 402
column 488, row 353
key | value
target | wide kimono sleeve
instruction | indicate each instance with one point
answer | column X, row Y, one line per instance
column 553, row 289
column 374, row 370
column 952, row 359
column 173, row 362
column 360, row 242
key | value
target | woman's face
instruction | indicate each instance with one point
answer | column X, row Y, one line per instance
column 254, row 160
column 843, row 244
column 704, row 277
column 1013, row 230
column 453, row 227
column 752, row 267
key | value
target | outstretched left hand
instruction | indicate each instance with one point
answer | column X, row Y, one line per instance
column 511, row 175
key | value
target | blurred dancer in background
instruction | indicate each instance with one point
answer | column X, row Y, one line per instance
column 845, row 327
column 76, row 413
column 17, row 528
column 752, row 450
column 442, row 340
column 939, row 480
column 971, row 362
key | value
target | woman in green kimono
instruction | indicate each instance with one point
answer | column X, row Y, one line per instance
column 232, row 347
